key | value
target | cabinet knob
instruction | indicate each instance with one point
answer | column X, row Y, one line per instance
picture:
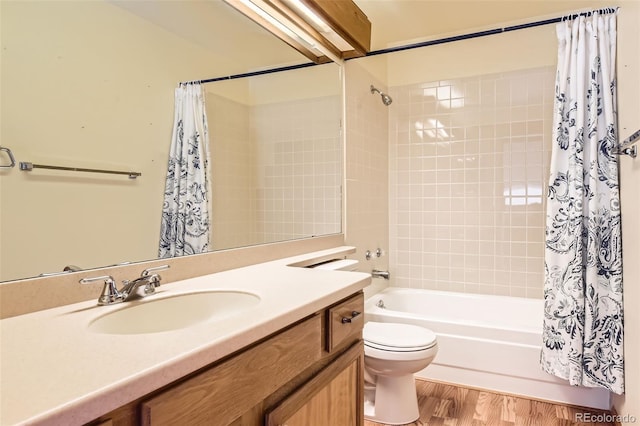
column 354, row 314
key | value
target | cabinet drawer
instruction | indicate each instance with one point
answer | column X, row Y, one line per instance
column 345, row 321
column 222, row 393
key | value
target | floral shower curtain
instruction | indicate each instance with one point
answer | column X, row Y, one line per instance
column 185, row 211
column 583, row 323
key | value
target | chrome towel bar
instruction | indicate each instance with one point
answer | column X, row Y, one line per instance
column 12, row 160
column 26, row 166
column 628, row 146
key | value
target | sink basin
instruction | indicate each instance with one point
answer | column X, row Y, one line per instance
column 173, row 312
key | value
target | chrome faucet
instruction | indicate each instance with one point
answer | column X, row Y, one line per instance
column 380, row 274
column 111, row 295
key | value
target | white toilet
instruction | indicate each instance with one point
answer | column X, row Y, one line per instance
column 392, row 354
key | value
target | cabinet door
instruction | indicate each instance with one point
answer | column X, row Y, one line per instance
column 219, row 395
column 333, row 397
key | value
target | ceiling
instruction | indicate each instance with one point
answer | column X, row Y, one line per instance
column 243, row 46
column 238, row 43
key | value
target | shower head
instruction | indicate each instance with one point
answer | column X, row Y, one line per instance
column 386, row 99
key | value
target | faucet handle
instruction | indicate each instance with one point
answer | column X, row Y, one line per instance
column 110, row 293
column 153, row 281
column 105, row 278
column 148, row 271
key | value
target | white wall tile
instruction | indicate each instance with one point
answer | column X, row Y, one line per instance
column 466, row 182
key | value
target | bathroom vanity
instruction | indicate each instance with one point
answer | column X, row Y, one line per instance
column 296, row 357
column 307, row 374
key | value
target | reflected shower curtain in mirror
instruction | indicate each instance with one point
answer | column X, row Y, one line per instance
column 583, row 323
column 185, row 211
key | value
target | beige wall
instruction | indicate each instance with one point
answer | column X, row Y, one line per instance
column 516, row 50
column 367, row 170
column 629, row 121
column 292, row 85
column 233, row 173
column 86, row 84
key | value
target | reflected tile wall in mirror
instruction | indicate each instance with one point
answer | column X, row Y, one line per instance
column 299, row 168
column 276, row 156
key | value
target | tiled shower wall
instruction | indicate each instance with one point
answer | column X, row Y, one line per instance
column 468, row 167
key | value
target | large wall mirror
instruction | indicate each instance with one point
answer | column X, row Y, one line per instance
column 91, row 85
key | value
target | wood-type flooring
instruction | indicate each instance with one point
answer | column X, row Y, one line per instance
column 446, row 404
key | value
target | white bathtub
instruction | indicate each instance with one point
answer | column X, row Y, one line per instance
column 484, row 341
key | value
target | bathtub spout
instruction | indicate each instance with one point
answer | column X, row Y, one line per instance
column 380, row 274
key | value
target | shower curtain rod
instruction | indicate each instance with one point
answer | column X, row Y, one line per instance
column 606, row 10
column 254, row 73
column 491, row 32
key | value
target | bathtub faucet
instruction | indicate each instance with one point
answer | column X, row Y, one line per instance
column 380, row 274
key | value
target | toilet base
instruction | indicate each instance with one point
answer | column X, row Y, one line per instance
column 396, row 401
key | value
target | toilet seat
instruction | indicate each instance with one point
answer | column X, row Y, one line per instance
column 397, row 349
column 395, row 337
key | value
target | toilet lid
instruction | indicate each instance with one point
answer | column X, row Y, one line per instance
column 393, row 336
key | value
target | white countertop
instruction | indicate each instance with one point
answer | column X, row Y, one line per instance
column 53, row 370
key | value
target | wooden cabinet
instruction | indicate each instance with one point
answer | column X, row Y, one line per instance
column 310, row 373
column 222, row 393
column 333, row 397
